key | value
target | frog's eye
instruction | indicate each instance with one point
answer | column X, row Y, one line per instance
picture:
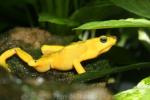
column 103, row 39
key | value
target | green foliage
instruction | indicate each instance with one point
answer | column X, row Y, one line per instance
column 139, row 7
column 55, row 20
column 91, row 12
column 115, row 24
column 140, row 92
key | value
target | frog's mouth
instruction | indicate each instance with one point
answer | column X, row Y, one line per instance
column 105, row 49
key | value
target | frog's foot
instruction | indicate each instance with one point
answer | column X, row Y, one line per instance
column 4, row 65
column 42, row 68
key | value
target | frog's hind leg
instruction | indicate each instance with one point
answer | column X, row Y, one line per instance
column 22, row 54
column 47, row 49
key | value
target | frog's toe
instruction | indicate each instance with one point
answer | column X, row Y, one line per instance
column 8, row 69
column 42, row 68
column 5, row 66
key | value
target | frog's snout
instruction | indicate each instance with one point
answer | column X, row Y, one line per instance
column 113, row 39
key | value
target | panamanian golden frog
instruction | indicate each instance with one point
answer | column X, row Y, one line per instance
column 63, row 58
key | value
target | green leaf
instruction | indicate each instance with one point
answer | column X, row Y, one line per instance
column 140, row 92
column 57, row 20
column 139, row 7
column 144, row 82
column 107, row 71
column 98, row 11
column 130, row 22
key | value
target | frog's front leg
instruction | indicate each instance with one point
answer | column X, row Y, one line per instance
column 22, row 54
column 78, row 67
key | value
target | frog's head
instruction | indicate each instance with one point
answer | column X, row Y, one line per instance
column 104, row 43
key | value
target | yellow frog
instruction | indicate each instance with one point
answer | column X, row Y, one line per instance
column 63, row 58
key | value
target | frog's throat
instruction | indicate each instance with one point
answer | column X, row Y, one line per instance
column 105, row 50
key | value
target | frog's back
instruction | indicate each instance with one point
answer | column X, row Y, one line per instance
column 64, row 58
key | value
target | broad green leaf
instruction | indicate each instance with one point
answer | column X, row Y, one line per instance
column 107, row 71
column 130, row 22
column 98, row 11
column 57, row 20
column 140, row 92
column 144, row 82
column 139, row 7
